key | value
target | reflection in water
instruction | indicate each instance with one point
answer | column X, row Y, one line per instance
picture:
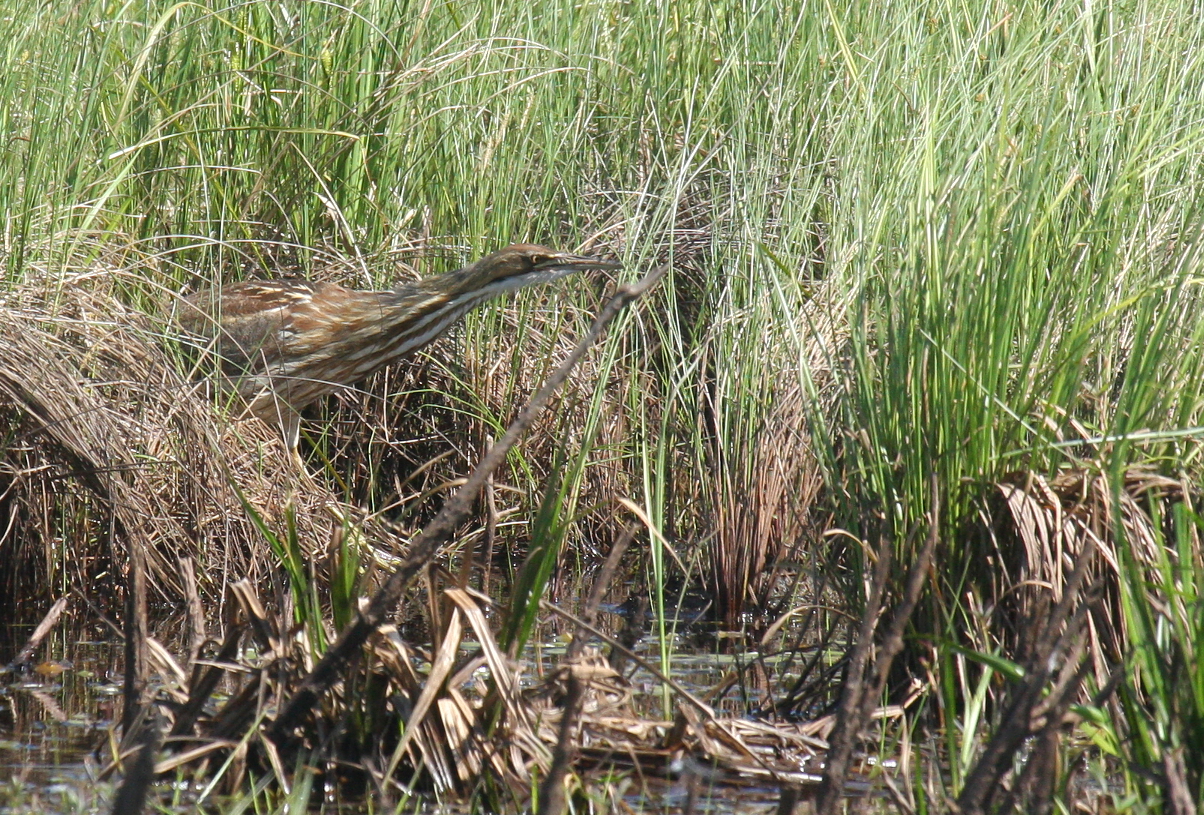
column 53, row 717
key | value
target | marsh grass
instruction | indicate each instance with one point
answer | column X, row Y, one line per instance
column 907, row 241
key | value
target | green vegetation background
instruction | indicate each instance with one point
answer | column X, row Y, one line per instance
column 909, row 238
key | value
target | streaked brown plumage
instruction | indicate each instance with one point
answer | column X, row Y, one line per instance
column 284, row 344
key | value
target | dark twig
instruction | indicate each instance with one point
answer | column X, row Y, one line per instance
column 194, row 609
column 1034, row 706
column 425, row 547
column 857, row 702
column 551, row 791
column 131, row 795
column 848, row 721
column 136, row 627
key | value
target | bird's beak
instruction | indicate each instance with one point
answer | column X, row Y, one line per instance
column 565, row 263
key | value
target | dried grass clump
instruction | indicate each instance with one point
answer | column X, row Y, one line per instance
column 1046, row 527
column 106, row 443
column 1065, row 546
column 763, row 497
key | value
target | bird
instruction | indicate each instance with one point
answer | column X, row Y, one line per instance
column 283, row 344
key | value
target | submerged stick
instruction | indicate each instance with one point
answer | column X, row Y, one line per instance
column 36, row 638
column 424, row 548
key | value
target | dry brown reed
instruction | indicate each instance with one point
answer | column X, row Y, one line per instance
column 469, row 716
column 763, row 498
column 762, row 484
column 1052, row 608
column 1044, row 527
column 106, row 442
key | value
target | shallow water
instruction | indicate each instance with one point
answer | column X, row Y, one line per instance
column 55, row 723
column 53, row 720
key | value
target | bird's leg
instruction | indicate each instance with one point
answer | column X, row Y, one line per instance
column 290, row 430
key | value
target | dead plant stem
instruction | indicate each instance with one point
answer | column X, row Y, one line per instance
column 857, row 701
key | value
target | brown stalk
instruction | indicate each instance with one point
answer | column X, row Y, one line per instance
column 552, row 799
column 551, row 791
column 131, row 795
column 857, row 702
column 135, row 631
column 1033, row 711
column 425, row 547
column 194, row 609
column 1179, row 797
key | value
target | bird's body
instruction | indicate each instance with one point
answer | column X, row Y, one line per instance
column 284, row 344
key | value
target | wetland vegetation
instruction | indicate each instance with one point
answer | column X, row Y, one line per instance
column 915, row 408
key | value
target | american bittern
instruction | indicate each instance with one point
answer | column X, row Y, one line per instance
column 284, row 344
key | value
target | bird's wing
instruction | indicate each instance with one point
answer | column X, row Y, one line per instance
column 252, row 323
